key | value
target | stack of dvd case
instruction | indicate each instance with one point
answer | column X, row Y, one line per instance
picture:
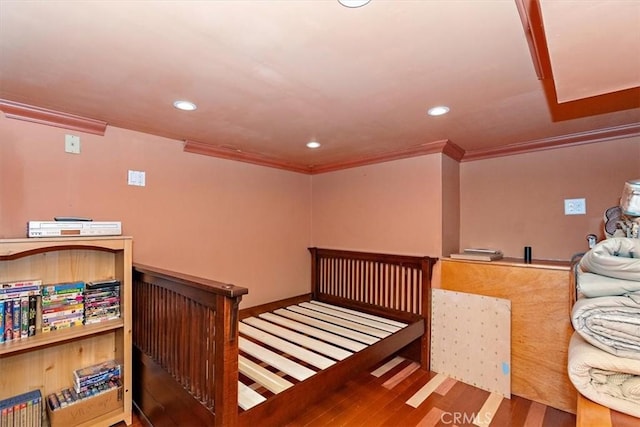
column 101, row 301
column 18, row 302
column 97, row 378
column 87, row 382
column 62, row 306
column 24, row 410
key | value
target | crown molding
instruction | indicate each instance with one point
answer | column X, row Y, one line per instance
column 29, row 113
column 562, row 141
column 443, row 146
column 229, row 153
column 196, row 147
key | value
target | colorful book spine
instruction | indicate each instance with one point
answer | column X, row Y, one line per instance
column 62, row 288
column 1, row 322
column 58, row 308
column 62, row 314
column 17, row 319
column 11, row 293
column 21, row 284
column 22, row 410
column 8, row 320
column 33, row 306
column 110, row 283
column 24, row 317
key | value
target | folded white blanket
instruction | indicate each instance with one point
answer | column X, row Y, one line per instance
column 606, row 379
column 594, row 285
column 610, row 323
column 612, row 267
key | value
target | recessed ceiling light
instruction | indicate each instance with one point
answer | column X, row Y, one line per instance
column 353, row 3
column 438, row 111
column 313, row 144
column 185, row 105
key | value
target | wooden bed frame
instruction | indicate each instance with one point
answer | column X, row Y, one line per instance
column 186, row 335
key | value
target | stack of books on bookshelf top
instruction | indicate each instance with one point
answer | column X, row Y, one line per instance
column 24, row 410
column 479, row 254
column 18, row 302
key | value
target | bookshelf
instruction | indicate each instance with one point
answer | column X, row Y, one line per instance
column 46, row 361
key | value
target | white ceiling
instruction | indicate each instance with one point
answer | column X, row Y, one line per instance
column 270, row 75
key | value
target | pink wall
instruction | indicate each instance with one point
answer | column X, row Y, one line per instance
column 450, row 206
column 224, row 220
column 509, row 202
column 250, row 225
column 387, row 207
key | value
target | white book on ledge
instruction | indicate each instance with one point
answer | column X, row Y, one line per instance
column 478, row 255
column 483, row 251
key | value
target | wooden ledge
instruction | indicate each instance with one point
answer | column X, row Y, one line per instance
column 590, row 414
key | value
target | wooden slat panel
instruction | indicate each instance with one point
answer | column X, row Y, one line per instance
column 303, row 354
column 248, row 398
column 303, row 340
column 488, row 410
column 329, row 327
column 426, row 390
column 340, row 322
column 272, row 382
column 354, row 318
column 285, row 365
column 388, row 366
column 314, row 332
column 361, row 314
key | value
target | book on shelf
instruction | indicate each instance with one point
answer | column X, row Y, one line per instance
column 62, row 306
column 102, row 301
column 478, row 254
column 22, row 410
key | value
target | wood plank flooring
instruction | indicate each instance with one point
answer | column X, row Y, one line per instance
column 379, row 396
column 381, row 400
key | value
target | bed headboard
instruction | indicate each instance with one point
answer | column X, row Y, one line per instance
column 396, row 285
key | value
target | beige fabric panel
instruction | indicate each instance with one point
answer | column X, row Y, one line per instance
column 471, row 339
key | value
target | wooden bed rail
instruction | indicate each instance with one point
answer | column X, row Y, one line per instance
column 186, row 328
column 383, row 284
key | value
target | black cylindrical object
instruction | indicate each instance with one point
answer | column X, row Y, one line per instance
column 527, row 254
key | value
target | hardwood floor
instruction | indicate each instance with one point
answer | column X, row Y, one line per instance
column 370, row 401
column 381, row 401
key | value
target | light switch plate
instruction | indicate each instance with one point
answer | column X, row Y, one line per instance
column 575, row 207
column 136, row 178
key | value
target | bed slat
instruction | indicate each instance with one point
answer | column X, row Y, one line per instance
column 361, row 314
column 388, row 366
column 329, row 327
column 303, row 354
column 248, row 398
column 287, row 366
column 317, row 333
column 354, row 318
column 262, row 376
column 341, row 322
column 303, row 340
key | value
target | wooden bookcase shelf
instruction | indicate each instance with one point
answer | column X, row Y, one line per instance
column 46, row 361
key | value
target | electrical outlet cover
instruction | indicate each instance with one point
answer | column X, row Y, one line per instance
column 72, row 144
column 575, row 207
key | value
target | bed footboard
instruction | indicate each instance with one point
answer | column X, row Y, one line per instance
column 396, row 286
column 185, row 338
